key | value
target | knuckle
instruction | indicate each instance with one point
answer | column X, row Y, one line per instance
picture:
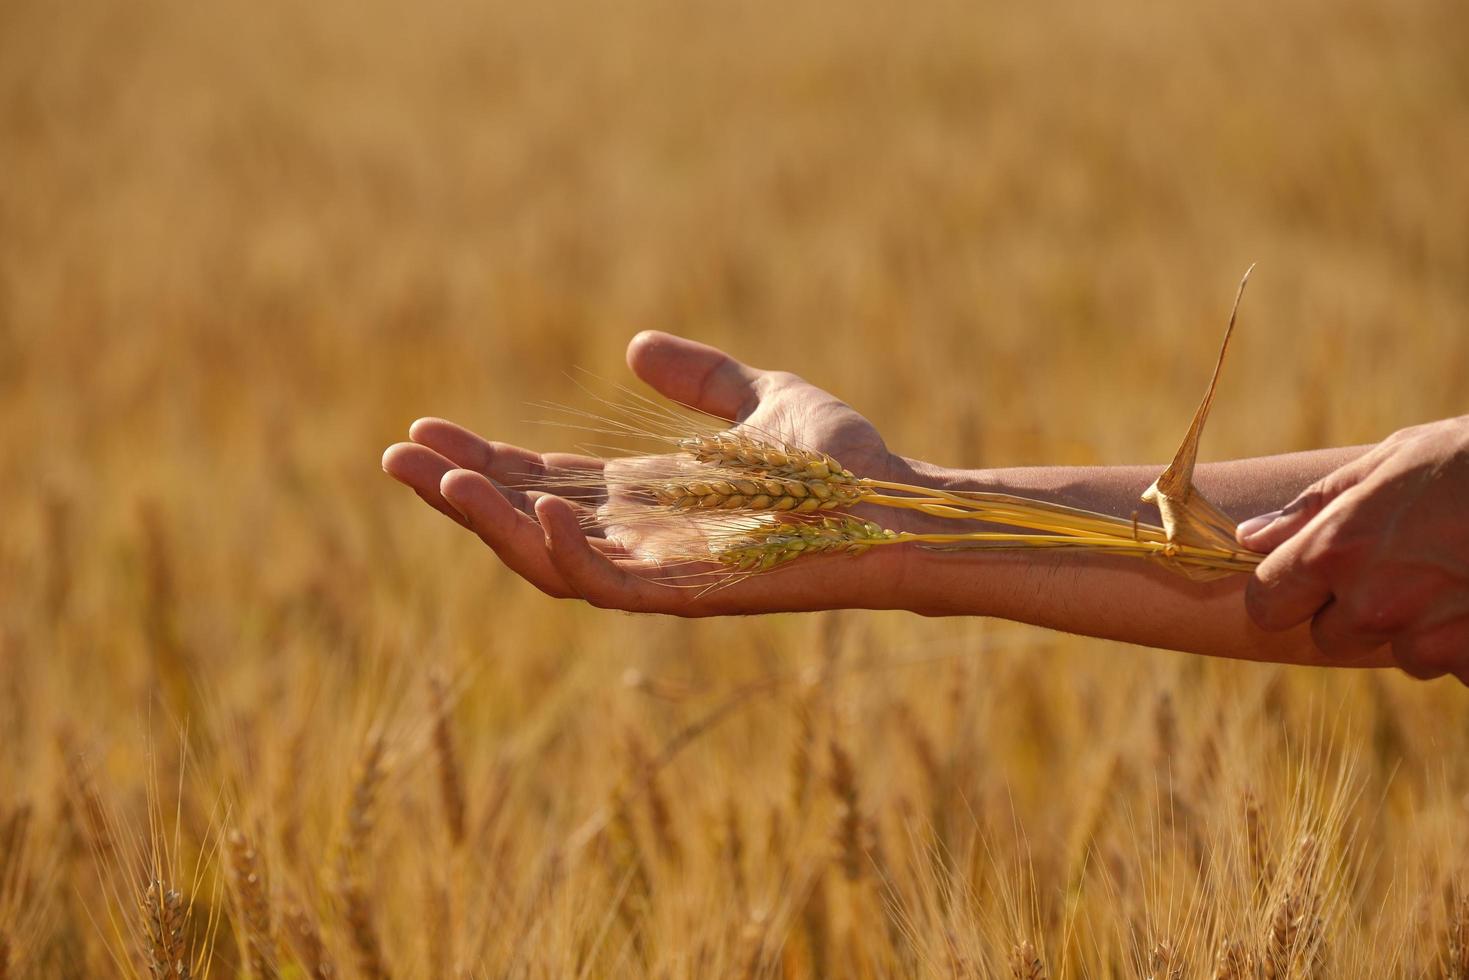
column 770, row 381
column 1432, row 654
column 1311, row 501
column 1333, row 550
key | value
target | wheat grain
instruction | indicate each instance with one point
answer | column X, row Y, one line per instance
column 1025, row 962
column 252, row 898
column 1231, row 963
column 743, row 451
column 1293, row 926
column 164, row 919
column 775, row 544
column 718, row 490
column 1164, row 962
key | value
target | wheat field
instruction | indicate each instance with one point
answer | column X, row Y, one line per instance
column 264, row 715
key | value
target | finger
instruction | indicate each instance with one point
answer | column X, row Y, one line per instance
column 591, row 575
column 1443, row 649
column 1293, row 581
column 1268, row 531
column 1339, row 633
column 694, row 374
column 575, row 476
column 421, row 469
column 1285, row 591
column 515, row 538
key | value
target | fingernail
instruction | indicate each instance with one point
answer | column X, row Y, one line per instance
column 1255, row 525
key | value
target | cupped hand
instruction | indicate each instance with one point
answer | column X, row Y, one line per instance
column 480, row 484
column 1376, row 554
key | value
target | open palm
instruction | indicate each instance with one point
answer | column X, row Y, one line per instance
column 473, row 481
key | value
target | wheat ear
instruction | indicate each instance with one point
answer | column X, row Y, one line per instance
column 252, row 898
column 1025, row 962
column 1455, row 965
column 451, row 782
column 1230, row 963
column 361, row 819
column 305, row 939
column 165, row 917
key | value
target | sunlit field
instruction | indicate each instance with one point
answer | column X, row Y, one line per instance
column 263, row 714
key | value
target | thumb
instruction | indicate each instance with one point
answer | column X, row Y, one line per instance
column 1268, row 531
column 694, row 374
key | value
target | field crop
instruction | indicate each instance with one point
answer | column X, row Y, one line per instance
column 264, row 715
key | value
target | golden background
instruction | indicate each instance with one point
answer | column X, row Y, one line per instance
column 243, row 245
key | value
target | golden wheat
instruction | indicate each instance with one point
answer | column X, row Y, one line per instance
column 245, row 243
column 353, row 860
column 252, row 897
column 451, row 782
column 165, row 917
column 1026, row 963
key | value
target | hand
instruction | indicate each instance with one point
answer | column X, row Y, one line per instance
column 538, row 535
column 1376, row 553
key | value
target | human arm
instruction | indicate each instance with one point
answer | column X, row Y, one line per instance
column 478, row 483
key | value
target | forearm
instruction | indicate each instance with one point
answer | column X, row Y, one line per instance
column 1119, row 598
column 1241, row 488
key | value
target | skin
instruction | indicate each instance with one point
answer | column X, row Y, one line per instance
column 1376, row 555
column 474, row 482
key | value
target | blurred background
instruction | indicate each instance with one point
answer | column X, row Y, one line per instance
column 244, row 245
